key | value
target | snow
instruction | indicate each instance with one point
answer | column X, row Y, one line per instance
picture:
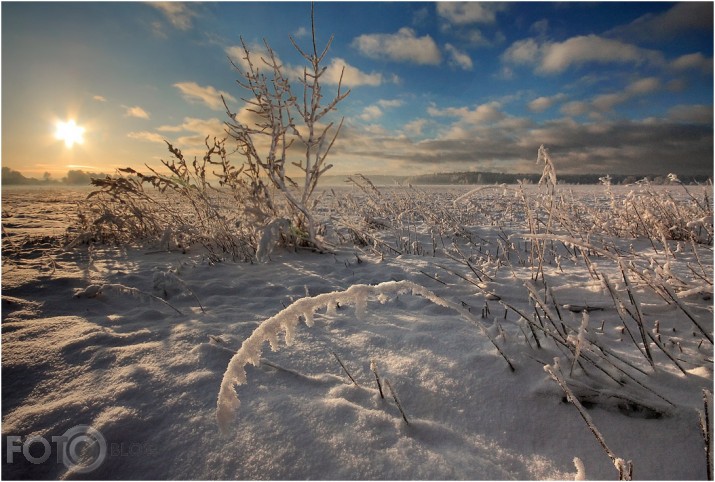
column 144, row 345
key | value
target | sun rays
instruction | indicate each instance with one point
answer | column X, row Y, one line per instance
column 70, row 133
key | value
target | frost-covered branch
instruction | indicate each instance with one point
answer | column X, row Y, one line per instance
column 625, row 468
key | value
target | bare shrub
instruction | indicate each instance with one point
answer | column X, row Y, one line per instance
column 256, row 204
column 285, row 121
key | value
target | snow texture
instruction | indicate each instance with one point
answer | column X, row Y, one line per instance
column 148, row 347
column 287, row 320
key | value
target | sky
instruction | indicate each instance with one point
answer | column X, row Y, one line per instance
column 608, row 88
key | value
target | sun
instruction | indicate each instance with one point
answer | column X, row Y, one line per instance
column 69, row 132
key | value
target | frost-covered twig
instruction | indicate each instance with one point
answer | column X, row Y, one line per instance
column 165, row 279
column 397, row 401
column 625, row 468
column 345, row 369
column 671, row 357
column 580, row 339
column 687, row 312
column 373, row 367
column 639, row 315
column 287, row 320
column 93, row 291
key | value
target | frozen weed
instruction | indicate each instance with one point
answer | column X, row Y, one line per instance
column 287, row 320
column 625, row 468
column 92, row 291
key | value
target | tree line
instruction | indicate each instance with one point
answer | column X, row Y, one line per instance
column 12, row 177
column 452, row 178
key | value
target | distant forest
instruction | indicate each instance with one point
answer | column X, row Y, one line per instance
column 505, row 178
column 77, row 178
column 11, row 177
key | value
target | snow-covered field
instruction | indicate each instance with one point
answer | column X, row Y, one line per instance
column 135, row 342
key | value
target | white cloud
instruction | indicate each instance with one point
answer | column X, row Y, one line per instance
column 403, row 46
column 575, row 108
column 390, row 103
column 375, row 111
column 682, row 18
column 559, row 56
column 179, row 14
column 207, row 95
column 643, row 86
column 371, row 112
column 696, row 61
column 352, row 76
column 540, row 104
column 463, row 13
column 376, row 130
column 540, row 27
column 608, row 101
column 256, row 52
column 698, row 114
column 555, row 57
column 414, row 128
column 99, row 98
column 137, row 112
column 191, row 134
column 301, row 32
column 146, row 136
column 475, row 37
column 481, row 114
column 522, row 52
column 210, row 127
column 458, row 58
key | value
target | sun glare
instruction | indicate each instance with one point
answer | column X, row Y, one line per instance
column 70, row 133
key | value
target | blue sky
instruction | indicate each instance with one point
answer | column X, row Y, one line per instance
column 619, row 88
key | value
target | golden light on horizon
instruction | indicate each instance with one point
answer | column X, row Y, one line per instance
column 69, row 132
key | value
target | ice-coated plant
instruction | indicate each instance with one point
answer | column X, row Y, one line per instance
column 288, row 121
column 287, row 320
column 625, row 468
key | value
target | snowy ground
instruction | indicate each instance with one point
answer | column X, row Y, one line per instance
column 147, row 377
